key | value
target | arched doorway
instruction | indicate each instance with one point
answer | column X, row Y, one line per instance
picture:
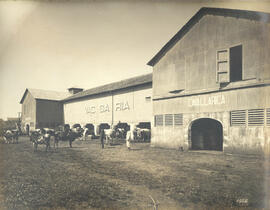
column 91, row 128
column 144, row 125
column 206, row 134
column 102, row 126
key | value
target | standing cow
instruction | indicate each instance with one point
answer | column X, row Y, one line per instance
column 39, row 137
column 143, row 134
column 11, row 136
column 68, row 135
column 109, row 135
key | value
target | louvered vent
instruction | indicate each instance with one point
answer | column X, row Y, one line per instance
column 268, row 116
column 168, row 119
column 238, row 118
column 178, row 119
column 158, row 120
column 255, row 117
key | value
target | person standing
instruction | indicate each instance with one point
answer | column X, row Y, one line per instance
column 102, row 136
column 128, row 139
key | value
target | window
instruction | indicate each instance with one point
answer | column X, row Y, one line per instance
column 178, row 119
column 268, row 116
column 158, row 120
column 255, row 117
column 223, row 66
column 238, row 118
column 236, row 63
column 229, row 65
column 168, row 119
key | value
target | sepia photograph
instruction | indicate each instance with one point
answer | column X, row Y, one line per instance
column 134, row 104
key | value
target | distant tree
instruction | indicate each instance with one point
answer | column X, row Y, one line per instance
column 5, row 125
column 8, row 124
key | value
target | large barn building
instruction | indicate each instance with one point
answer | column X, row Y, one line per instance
column 211, row 83
column 41, row 108
column 128, row 101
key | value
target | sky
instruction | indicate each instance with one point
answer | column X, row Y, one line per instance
column 55, row 45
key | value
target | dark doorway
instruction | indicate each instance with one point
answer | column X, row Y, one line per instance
column 91, row 128
column 236, row 63
column 103, row 126
column 206, row 134
column 123, row 125
column 144, row 125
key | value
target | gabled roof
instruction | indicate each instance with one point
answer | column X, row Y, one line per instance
column 131, row 82
column 45, row 94
column 244, row 14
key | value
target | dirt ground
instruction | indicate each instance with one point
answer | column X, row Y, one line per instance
column 87, row 177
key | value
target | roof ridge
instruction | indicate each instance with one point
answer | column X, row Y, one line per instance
column 46, row 90
column 109, row 86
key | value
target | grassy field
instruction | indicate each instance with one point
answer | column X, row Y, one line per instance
column 87, row 177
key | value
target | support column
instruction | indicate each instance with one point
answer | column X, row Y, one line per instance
column 132, row 127
column 96, row 129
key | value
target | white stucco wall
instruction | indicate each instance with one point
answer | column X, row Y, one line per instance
column 130, row 105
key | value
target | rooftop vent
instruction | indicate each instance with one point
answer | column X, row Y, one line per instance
column 74, row 90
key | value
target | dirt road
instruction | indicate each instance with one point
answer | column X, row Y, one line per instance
column 87, row 177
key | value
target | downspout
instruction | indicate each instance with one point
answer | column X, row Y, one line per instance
column 112, row 109
column 62, row 104
column 36, row 120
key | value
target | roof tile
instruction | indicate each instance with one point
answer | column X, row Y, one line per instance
column 131, row 82
column 48, row 94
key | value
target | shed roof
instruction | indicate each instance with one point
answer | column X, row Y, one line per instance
column 13, row 118
column 45, row 94
column 131, row 82
column 244, row 14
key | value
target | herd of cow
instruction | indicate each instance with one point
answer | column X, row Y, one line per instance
column 139, row 134
column 45, row 136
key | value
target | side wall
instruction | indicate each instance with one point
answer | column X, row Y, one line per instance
column 48, row 113
column 184, row 81
column 29, row 112
column 93, row 110
column 216, row 106
column 191, row 64
column 131, row 105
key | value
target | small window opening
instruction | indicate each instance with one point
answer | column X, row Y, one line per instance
column 236, row 63
column 148, row 98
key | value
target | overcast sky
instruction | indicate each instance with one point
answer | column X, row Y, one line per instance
column 55, row 45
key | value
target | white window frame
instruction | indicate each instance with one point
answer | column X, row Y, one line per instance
column 228, row 60
column 223, row 61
